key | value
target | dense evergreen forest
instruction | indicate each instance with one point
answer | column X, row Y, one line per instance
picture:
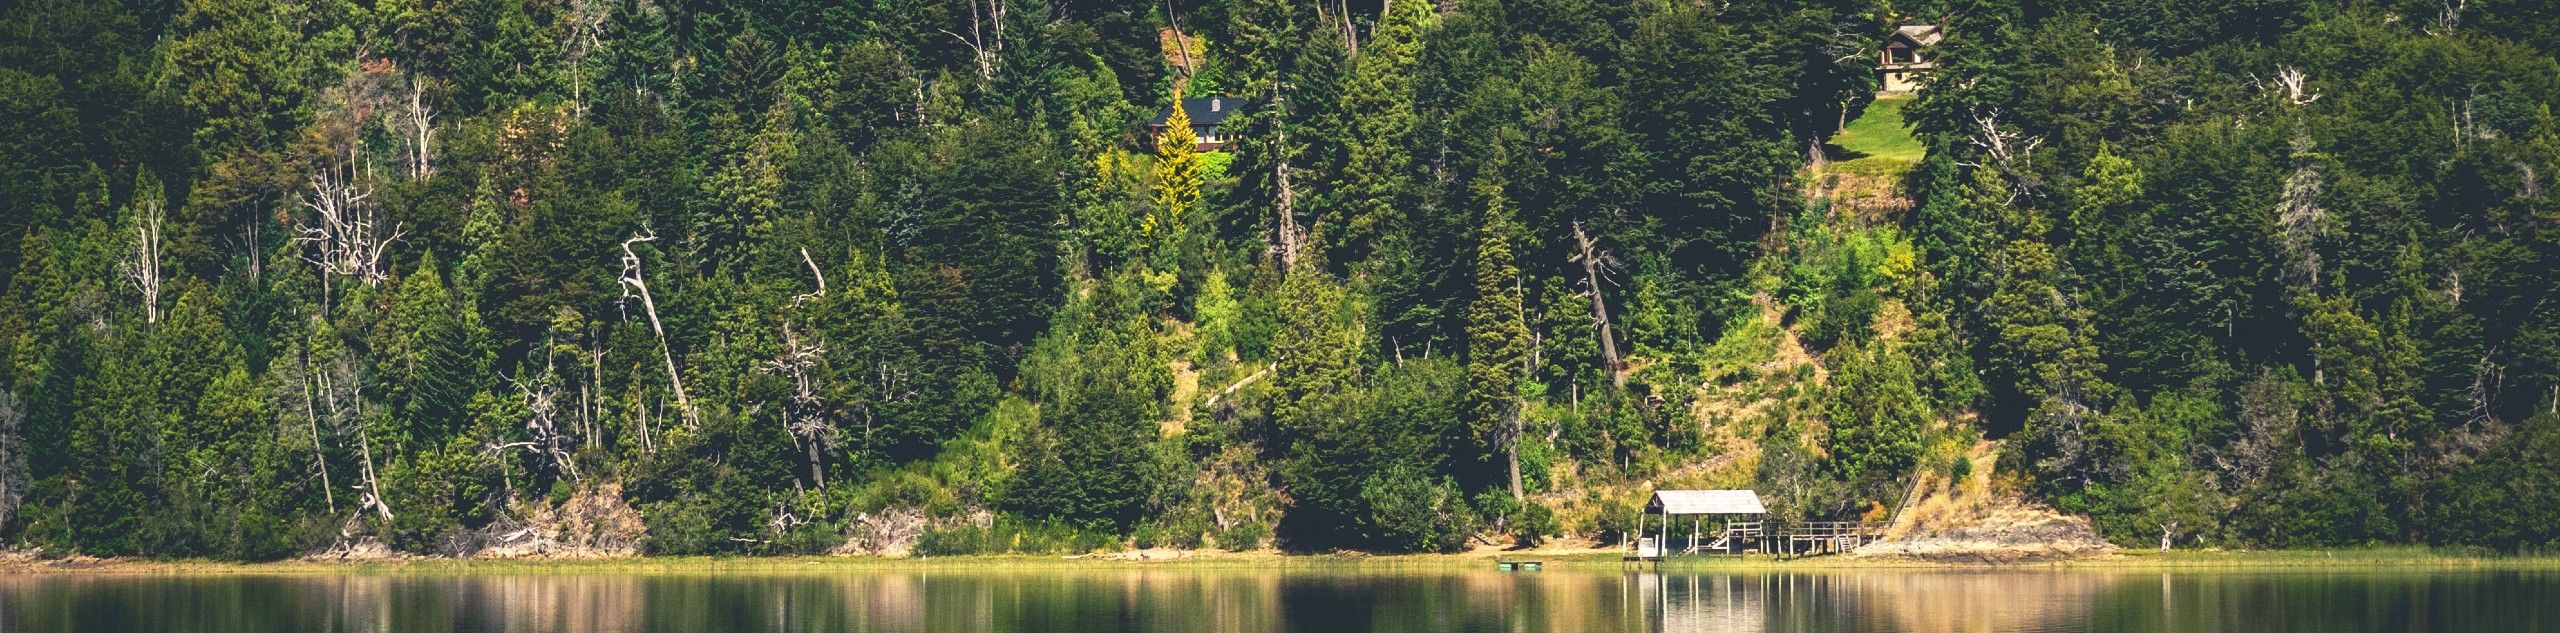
column 785, row 276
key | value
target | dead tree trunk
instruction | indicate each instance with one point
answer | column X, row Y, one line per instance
column 541, row 402
column 1513, row 455
column 346, row 239
column 1595, row 263
column 319, row 449
column 634, row 281
column 421, row 121
column 1285, row 207
column 1181, row 45
column 144, row 267
column 343, row 391
column 804, row 415
column 986, row 35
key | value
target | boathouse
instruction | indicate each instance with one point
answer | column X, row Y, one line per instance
column 1677, row 521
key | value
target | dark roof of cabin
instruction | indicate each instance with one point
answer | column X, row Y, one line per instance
column 1209, row 110
column 1920, row 34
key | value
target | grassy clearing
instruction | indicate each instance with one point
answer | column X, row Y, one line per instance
column 1878, row 133
column 1876, row 144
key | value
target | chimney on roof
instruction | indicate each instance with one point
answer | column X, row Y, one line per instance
column 1215, row 103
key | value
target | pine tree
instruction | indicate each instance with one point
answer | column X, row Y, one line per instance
column 2043, row 330
column 1497, row 330
column 1316, row 353
column 1379, row 169
column 1876, row 411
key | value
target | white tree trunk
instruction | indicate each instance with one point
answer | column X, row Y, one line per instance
column 636, row 282
column 143, row 269
column 1594, row 261
column 346, row 239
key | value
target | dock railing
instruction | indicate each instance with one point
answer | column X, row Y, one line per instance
column 1806, row 538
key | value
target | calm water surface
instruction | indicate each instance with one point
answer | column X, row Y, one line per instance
column 1327, row 601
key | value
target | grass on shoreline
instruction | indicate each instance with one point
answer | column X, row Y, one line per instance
column 2403, row 558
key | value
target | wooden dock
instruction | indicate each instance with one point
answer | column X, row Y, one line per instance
column 1787, row 540
column 1812, row 538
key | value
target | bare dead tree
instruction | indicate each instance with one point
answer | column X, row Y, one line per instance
column 2007, row 151
column 595, row 380
column 641, row 408
column 1285, row 230
column 796, row 300
column 893, row 388
column 634, row 282
column 341, row 394
column 1181, row 43
column 256, row 249
column 541, row 404
column 2269, row 418
column 420, row 119
column 2299, row 219
column 303, row 398
column 587, row 24
column 2486, row 378
column 2451, row 18
column 142, row 266
column 346, row 237
column 804, row 416
column 986, row 35
column 1595, row 267
column 782, row 521
column 1350, row 31
column 2294, row 85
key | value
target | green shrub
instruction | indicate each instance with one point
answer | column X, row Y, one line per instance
column 959, row 541
column 1532, row 524
column 1244, row 536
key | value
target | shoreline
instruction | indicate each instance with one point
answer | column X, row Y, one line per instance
column 2375, row 559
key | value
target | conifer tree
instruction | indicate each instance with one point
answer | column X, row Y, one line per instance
column 1378, row 102
column 1316, row 353
column 2043, row 329
column 1497, row 329
column 1167, row 227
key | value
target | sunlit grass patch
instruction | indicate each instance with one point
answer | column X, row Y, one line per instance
column 1878, row 135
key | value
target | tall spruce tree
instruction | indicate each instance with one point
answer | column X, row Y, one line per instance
column 1498, row 342
column 1379, row 171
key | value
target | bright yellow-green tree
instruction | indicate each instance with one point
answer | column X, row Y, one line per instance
column 1177, row 191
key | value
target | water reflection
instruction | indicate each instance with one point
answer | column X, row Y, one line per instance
column 1265, row 600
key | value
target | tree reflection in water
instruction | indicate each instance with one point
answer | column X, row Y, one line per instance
column 1323, row 599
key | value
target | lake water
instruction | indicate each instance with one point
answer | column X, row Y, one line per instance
column 1324, row 600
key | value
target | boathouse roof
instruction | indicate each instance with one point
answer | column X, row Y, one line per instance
column 1707, row 502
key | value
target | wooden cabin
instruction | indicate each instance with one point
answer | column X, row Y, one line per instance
column 1206, row 113
column 1906, row 57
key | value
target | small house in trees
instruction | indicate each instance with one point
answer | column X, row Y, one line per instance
column 1906, row 57
column 1206, row 114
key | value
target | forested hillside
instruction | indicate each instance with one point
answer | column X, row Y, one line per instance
column 329, row 276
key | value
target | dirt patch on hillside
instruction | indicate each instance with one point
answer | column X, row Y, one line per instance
column 2014, row 533
column 593, row 523
column 1967, row 521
